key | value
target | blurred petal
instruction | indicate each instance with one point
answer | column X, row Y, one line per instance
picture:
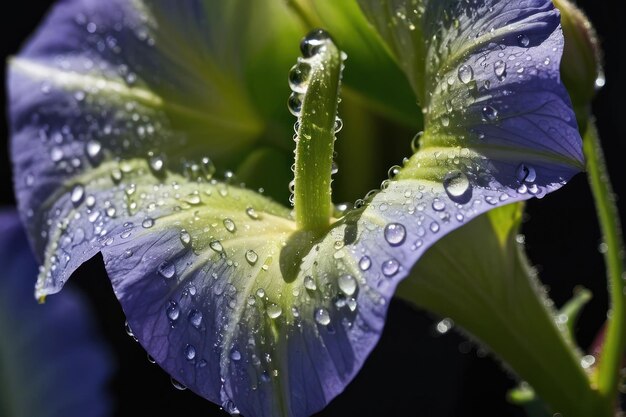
column 45, row 348
column 234, row 303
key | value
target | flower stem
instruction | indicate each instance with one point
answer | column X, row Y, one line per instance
column 615, row 340
column 315, row 81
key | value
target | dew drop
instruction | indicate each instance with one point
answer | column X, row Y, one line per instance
column 157, row 163
column 525, row 173
column 438, row 205
column 216, row 246
column 434, row 227
column 309, row 283
column 499, row 68
column 190, row 352
column 173, row 311
column 274, row 310
column 185, row 237
column 195, row 318
column 230, row 225
column 523, row 40
column 490, row 114
column 347, row 284
column 395, row 233
column 457, row 186
column 147, row 223
column 252, row 257
column 56, row 154
column 77, row 195
column 299, row 77
column 313, row 42
column 235, row 355
column 390, row 267
column 294, row 104
column 251, row 212
column 178, row 385
column 466, row 74
column 167, row 269
column 93, row 149
column 365, row 263
column 322, row 316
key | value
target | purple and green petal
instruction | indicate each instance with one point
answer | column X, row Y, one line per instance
column 45, row 348
column 217, row 282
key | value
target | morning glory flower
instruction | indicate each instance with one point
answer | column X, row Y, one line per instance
column 45, row 349
column 122, row 112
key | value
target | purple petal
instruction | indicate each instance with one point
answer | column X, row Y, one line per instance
column 47, row 348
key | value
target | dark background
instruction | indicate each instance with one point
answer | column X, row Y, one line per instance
column 412, row 372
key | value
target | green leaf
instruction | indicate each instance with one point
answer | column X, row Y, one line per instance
column 484, row 283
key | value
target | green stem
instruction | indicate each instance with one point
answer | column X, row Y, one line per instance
column 614, row 345
column 316, row 133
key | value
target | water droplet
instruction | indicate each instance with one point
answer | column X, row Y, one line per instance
column 438, row 205
column 190, row 352
column 415, row 142
column 167, row 269
column 499, row 68
column 347, row 284
column 157, row 163
column 147, row 223
column 235, row 355
column 390, row 267
column 173, row 311
column 338, row 125
column 178, row 385
column 309, row 283
column 299, row 77
column 151, row 359
column 525, row 173
column 395, row 233
column 490, row 114
column 294, row 104
column 185, row 237
column 56, row 154
column 251, row 212
column 93, row 149
column 523, row 40
column 77, row 195
column 216, row 246
column 365, row 263
column 195, row 318
column 274, row 310
column 587, row 361
column 434, row 227
column 444, row 326
column 466, row 74
column 252, row 257
column 313, row 42
column 260, row 293
column 457, row 186
column 322, row 316
column 230, row 225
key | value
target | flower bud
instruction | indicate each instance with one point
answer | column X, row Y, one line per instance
column 581, row 66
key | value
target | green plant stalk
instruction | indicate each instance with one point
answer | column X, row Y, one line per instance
column 613, row 349
column 316, row 141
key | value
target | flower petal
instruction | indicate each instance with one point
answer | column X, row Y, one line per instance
column 50, row 346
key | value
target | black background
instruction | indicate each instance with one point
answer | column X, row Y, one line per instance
column 412, row 372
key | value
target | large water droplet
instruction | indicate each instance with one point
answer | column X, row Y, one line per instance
column 309, row 283
column 251, row 212
column 457, row 186
column 178, row 385
column 230, row 225
column 313, row 42
column 294, row 104
column 167, row 269
column 466, row 74
column 252, row 257
column 147, row 223
column 322, row 316
column 216, row 246
column 274, row 310
column 395, row 233
column 93, row 149
column 390, row 267
column 526, row 173
column 299, row 77
column 235, row 355
column 185, row 237
column 347, row 284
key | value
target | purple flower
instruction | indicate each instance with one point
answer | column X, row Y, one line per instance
column 52, row 361
column 122, row 110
